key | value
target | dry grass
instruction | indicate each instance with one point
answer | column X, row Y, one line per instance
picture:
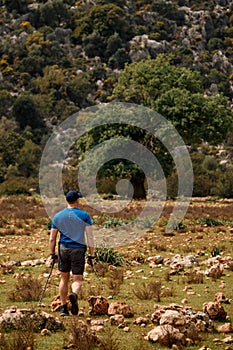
column 80, row 336
column 27, row 288
column 148, row 291
column 115, row 280
column 22, row 338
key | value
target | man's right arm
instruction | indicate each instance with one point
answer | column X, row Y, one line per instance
column 90, row 240
column 52, row 240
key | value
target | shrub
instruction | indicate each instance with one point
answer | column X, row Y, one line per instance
column 106, row 254
column 27, row 288
column 81, row 337
column 20, row 339
column 115, row 280
column 149, row 291
column 210, row 222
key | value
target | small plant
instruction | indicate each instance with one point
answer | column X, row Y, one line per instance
column 115, row 280
column 210, row 222
column 194, row 277
column 149, row 291
column 20, row 339
column 215, row 252
column 27, row 288
column 106, row 254
column 109, row 342
column 175, row 225
column 81, row 337
column 113, row 222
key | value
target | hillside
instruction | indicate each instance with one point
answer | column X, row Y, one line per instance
column 58, row 57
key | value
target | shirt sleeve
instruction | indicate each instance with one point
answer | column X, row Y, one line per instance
column 88, row 220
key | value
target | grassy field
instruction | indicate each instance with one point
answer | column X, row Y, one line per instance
column 206, row 229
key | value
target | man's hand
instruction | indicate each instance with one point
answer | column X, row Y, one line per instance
column 90, row 259
column 54, row 257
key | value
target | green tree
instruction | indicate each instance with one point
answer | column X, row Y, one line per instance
column 28, row 159
column 5, row 102
column 78, row 90
column 10, row 143
column 26, row 113
column 176, row 93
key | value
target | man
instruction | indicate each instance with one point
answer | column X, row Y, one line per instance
column 74, row 225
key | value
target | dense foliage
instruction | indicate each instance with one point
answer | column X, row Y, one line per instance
column 58, row 57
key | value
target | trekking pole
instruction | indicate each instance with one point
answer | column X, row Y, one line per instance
column 96, row 273
column 50, row 273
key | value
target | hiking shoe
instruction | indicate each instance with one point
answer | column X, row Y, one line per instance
column 64, row 310
column 74, row 303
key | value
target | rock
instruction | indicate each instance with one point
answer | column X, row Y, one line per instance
column 214, row 271
column 166, row 335
column 97, row 328
column 221, row 298
column 141, row 320
column 13, row 317
column 215, row 310
column 225, row 328
column 46, row 332
column 126, row 329
column 99, row 305
column 117, row 320
column 120, row 308
column 56, row 303
column 228, row 340
column 155, row 260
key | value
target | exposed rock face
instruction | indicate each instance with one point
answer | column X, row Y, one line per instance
column 13, row 318
column 99, row 305
column 120, row 308
column 142, row 47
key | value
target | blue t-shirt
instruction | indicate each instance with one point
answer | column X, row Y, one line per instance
column 71, row 223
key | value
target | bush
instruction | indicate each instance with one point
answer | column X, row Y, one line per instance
column 20, row 339
column 108, row 255
column 18, row 185
column 27, row 289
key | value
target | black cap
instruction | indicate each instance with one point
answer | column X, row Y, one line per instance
column 72, row 196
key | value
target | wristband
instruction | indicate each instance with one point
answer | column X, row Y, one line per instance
column 52, row 255
column 91, row 257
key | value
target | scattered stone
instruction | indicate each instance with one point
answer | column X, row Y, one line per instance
column 225, row 328
column 117, row 320
column 120, row 308
column 97, row 328
column 215, row 310
column 141, row 321
column 221, row 298
column 126, row 329
column 46, row 332
column 56, row 303
column 166, row 335
column 155, row 260
column 99, row 305
column 11, row 318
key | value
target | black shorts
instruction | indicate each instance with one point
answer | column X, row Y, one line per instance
column 71, row 259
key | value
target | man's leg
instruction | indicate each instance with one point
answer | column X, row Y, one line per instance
column 63, row 286
column 76, row 287
column 77, row 283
